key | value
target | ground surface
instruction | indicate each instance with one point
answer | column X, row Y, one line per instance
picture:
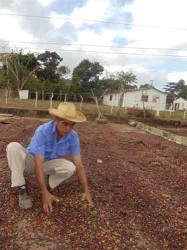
column 139, row 187
column 178, row 131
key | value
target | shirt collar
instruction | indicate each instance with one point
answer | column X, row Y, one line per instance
column 53, row 127
column 64, row 138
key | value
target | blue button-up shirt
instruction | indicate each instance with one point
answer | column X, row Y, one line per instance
column 44, row 142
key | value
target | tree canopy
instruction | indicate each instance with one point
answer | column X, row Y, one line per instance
column 20, row 67
column 119, row 80
column 146, row 85
column 47, row 71
column 176, row 89
column 86, row 76
column 22, row 70
column 126, row 79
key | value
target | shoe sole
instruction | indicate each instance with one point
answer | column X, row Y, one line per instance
column 25, row 207
column 27, row 204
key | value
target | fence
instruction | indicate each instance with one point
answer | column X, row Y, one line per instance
column 37, row 100
column 41, row 99
column 56, row 96
column 8, row 93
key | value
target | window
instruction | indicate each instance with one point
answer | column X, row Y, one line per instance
column 155, row 99
column 144, row 98
column 110, row 97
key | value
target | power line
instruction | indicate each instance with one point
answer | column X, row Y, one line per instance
column 93, row 21
column 105, row 52
column 92, row 45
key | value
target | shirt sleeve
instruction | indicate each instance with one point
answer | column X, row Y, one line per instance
column 37, row 144
column 75, row 145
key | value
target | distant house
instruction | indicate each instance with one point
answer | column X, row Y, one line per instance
column 180, row 104
column 150, row 98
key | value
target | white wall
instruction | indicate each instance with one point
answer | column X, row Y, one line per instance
column 180, row 104
column 23, row 94
column 156, row 99
column 113, row 102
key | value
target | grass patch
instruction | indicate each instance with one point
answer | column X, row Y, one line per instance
column 87, row 108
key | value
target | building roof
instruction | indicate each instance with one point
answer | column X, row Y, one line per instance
column 134, row 90
column 179, row 99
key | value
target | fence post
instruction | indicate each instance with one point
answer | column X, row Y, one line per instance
column 36, row 99
column 157, row 112
column 51, row 100
column 6, row 95
column 81, row 102
column 184, row 115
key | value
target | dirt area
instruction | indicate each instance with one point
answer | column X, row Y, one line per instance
column 139, row 188
column 178, row 131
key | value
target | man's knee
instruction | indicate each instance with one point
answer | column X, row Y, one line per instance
column 13, row 146
column 65, row 167
column 71, row 168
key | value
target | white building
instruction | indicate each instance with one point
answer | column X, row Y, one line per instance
column 179, row 104
column 150, row 98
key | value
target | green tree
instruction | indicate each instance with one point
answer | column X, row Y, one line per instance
column 170, row 88
column 125, row 80
column 175, row 89
column 34, row 84
column 182, row 89
column 62, row 85
column 3, row 78
column 48, row 70
column 63, row 72
column 116, row 81
column 20, row 68
column 109, row 81
column 146, row 86
column 86, row 76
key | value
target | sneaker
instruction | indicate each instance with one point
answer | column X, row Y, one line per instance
column 25, row 201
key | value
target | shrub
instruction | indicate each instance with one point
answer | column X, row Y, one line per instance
column 135, row 112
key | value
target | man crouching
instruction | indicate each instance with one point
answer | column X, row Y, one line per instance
column 44, row 156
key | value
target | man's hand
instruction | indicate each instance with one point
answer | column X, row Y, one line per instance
column 48, row 199
column 87, row 196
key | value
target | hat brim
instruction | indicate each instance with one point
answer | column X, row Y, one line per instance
column 80, row 117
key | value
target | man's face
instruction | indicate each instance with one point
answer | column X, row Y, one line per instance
column 64, row 126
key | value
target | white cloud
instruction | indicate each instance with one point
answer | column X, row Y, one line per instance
column 130, row 67
column 160, row 18
column 104, row 37
column 58, row 20
column 160, row 14
column 92, row 10
column 11, row 30
column 46, row 2
column 176, row 76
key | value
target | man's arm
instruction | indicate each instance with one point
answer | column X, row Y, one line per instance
column 82, row 175
column 47, row 197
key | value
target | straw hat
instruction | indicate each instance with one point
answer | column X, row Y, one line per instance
column 67, row 111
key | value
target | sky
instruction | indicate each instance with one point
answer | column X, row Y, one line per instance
column 146, row 37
